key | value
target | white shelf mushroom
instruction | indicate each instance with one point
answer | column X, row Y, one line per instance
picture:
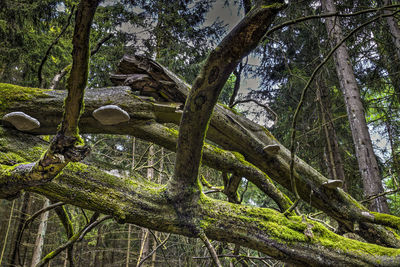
column 22, row 121
column 332, row 184
column 272, row 149
column 111, row 115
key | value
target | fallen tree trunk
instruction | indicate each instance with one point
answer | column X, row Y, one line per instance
column 46, row 107
column 235, row 132
column 129, row 200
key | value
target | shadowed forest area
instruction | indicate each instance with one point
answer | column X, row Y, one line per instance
column 199, row 133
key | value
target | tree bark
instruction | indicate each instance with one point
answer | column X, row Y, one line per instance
column 371, row 178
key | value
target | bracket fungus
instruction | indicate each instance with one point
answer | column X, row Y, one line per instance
column 332, row 184
column 21, row 121
column 273, row 149
column 111, row 115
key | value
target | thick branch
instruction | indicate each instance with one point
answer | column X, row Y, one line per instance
column 206, row 88
column 80, row 67
column 227, row 129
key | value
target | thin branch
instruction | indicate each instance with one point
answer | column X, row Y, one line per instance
column 210, row 248
column 75, row 238
column 153, row 251
column 332, row 14
column 234, row 256
column 390, row 192
column 57, row 78
column 64, row 29
column 266, row 107
column 162, row 249
column 100, row 44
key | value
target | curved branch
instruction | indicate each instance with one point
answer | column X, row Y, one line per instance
column 303, row 93
column 55, row 41
column 204, row 94
column 266, row 107
column 333, row 14
column 31, row 219
column 75, row 238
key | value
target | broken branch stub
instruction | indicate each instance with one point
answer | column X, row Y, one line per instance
column 111, row 115
column 22, row 121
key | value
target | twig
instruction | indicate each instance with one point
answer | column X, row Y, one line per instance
column 266, row 107
column 29, row 220
column 210, row 248
column 162, row 249
column 40, row 78
column 75, row 238
column 56, row 79
column 380, row 195
column 320, row 16
column 100, row 43
column 154, row 250
column 234, row 256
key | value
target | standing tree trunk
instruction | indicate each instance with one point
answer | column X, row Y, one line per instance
column 387, row 38
column 367, row 163
column 41, row 233
column 24, row 211
column 393, row 27
column 335, row 162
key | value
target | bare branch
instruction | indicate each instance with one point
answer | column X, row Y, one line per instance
column 63, row 30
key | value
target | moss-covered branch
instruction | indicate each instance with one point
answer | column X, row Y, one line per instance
column 206, row 89
column 45, row 105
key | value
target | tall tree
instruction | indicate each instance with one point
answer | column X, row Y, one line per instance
column 372, row 180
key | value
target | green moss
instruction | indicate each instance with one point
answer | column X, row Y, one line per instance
column 10, row 158
column 287, row 229
column 172, row 132
column 228, row 108
column 269, row 134
column 330, row 239
column 387, row 219
column 271, row 221
column 77, row 167
column 10, row 93
column 5, row 170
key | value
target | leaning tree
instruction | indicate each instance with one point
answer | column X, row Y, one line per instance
column 209, row 134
